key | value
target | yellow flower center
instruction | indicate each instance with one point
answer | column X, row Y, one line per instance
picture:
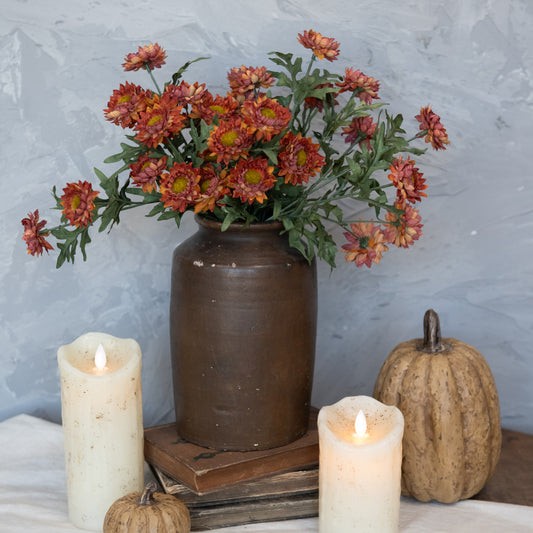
column 253, row 177
column 229, row 138
column 179, row 185
column 76, row 201
column 155, row 119
column 146, row 165
column 125, row 98
column 217, row 108
column 268, row 113
column 204, row 185
column 301, row 158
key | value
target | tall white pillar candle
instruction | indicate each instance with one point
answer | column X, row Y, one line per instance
column 359, row 471
column 102, row 424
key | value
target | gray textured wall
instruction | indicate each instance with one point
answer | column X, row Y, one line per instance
column 473, row 61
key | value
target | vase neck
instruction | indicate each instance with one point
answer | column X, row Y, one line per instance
column 214, row 225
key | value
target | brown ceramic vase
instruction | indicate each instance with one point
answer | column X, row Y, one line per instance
column 243, row 328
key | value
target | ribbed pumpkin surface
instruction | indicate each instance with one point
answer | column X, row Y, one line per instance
column 452, row 436
column 162, row 513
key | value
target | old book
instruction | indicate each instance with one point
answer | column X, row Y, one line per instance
column 251, row 511
column 203, row 469
column 282, row 496
column 277, row 485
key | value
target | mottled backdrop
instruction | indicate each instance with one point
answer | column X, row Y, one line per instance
column 473, row 61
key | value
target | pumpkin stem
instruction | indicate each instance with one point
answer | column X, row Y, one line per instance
column 147, row 498
column 432, row 338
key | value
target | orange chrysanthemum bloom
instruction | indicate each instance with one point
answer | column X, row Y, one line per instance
column 225, row 107
column 179, row 186
column 146, row 171
column 186, row 93
column 250, row 179
column 78, row 203
column 361, row 128
column 322, row 47
column 151, row 56
column 161, row 120
column 125, row 105
column 230, row 140
column 436, row 132
column 246, row 80
column 265, row 118
column 407, row 180
column 34, row 236
column 298, row 158
column 365, row 244
column 366, row 88
column 410, row 229
column 213, row 187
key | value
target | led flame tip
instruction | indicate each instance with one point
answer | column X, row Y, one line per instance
column 100, row 358
column 360, row 424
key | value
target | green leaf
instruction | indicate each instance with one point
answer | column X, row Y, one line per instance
column 114, row 158
column 167, row 215
column 296, row 242
column 283, row 80
column 272, row 155
column 276, row 210
column 178, row 74
column 110, row 185
column 84, row 241
column 230, row 217
column 158, row 208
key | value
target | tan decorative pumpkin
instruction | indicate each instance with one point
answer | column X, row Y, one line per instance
column 149, row 511
column 447, row 394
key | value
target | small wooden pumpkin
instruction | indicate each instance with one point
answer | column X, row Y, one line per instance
column 149, row 511
column 447, row 394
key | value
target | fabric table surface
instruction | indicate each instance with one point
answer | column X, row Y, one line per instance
column 33, row 494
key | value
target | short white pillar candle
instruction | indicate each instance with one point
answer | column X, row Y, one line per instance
column 359, row 471
column 102, row 424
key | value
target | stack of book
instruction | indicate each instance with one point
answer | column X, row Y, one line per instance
column 232, row 488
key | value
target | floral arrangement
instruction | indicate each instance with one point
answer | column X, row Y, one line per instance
column 252, row 157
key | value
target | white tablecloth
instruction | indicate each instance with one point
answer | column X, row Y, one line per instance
column 33, row 494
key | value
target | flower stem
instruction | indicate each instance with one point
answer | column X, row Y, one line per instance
column 153, row 79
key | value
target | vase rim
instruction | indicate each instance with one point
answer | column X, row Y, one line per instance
column 238, row 226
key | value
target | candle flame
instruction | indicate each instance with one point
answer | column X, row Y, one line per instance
column 100, row 358
column 360, row 424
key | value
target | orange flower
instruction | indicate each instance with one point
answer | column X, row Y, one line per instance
column 361, row 128
column 251, row 179
column 436, row 133
column 245, row 80
column 298, row 158
column 265, row 118
column 409, row 230
column 407, row 180
column 186, row 93
column 179, row 186
column 322, row 47
column 209, row 107
column 78, row 203
column 213, row 187
column 146, row 171
column 151, row 56
column 229, row 141
column 364, row 87
column 365, row 244
column 161, row 120
column 125, row 105
column 34, row 236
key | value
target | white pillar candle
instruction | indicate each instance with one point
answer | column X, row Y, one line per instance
column 359, row 472
column 102, row 424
